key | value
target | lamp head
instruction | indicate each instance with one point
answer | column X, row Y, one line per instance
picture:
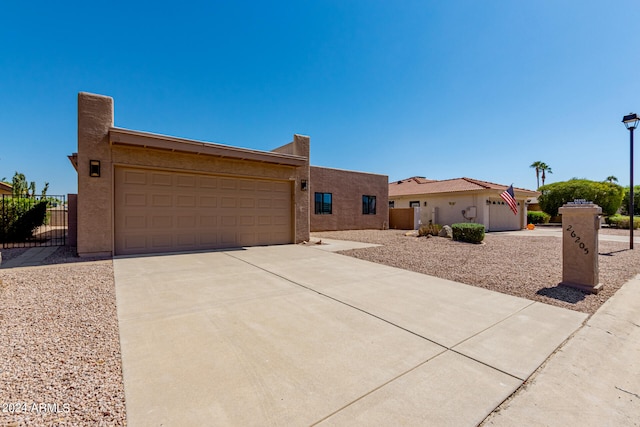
column 631, row 120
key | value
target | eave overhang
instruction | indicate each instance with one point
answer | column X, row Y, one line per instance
column 126, row 137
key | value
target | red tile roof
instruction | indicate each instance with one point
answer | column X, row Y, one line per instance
column 419, row 185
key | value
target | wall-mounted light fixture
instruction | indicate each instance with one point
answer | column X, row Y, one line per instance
column 425, row 203
column 488, row 201
column 452, row 203
column 94, row 168
column 303, row 185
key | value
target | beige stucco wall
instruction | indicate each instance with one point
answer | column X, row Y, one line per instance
column 347, row 188
column 95, row 197
column 300, row 146
column 96, row 194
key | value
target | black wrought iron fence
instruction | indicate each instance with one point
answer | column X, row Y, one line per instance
column 31, row 221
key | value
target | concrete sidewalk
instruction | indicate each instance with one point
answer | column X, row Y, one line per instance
column 292, row 335
column 594, row 380
column 31, row 257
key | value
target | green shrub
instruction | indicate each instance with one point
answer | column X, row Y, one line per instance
column 624, row 209
column 468, row 232
column 604, row 194
column 429, row 230
column 537, row 217
column 20, row 217
column 622, row 221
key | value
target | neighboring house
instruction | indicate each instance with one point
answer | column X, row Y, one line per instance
column 460, row 200
column 6, row 189
column 140, row 192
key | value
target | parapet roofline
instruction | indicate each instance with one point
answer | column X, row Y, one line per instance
column 127, row 137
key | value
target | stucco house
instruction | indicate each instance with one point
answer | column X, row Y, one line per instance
column 459, row 200
column 141, row 192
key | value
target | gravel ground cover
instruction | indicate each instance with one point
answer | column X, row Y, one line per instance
column 60, row 359
column 524, row 266
column 59, row 344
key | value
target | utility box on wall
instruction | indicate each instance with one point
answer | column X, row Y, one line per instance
column 580, row 225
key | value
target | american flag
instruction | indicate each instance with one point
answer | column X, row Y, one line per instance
column 509, row 197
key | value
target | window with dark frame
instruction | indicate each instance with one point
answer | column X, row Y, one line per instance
column 368, row 205
column 323, row 203
column 414, row 204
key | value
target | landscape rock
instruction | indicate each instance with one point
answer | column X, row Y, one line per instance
column 446, row 232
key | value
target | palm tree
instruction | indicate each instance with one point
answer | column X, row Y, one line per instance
column 612, row 179
column 537, row 165
column 545, row 169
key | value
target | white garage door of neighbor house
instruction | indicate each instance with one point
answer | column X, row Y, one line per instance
column 501, row 217
column 166, row 211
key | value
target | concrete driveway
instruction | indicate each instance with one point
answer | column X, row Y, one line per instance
column 292, row 335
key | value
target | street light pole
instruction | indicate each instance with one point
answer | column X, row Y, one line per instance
column 631, row 122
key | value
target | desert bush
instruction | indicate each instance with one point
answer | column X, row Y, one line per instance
column 20, row 217
column 429, row 230
column 537, row 217
column 624, row 209
column 622, row 221
column 468, row 232
column 604, row 194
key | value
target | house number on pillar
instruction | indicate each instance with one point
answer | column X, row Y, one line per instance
column 577, row 241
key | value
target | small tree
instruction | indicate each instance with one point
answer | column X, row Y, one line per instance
column 624, row 209
column 45, row 189
column 605, row 194
column 19, row 183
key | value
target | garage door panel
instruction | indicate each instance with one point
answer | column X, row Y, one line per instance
column 264, row 203
column 209, row 239
column 247, row 203
column 161, row 221
column 135, row 242
column 247, row 185
column 228, row 238
column 228, row 221
column 186, row 201
column 247, row 221
column 186, row 240
column 135, row 222
column 208, row 221
column 279, row 203
column 229, row 202
column 188, row 181
column 228, row 183
column 161, row 200
column 208, row 201
column 208, row 182
column 135, row 199
column 163, row 211
column 161, row 179
column 135, row 177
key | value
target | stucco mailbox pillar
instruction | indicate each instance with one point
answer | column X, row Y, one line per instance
column 580, row 225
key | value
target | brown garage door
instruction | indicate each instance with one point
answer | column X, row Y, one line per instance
column 165, row 211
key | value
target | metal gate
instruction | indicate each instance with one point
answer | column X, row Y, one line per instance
column 30, row 221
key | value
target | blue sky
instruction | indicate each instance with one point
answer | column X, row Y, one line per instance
column 441, row 89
